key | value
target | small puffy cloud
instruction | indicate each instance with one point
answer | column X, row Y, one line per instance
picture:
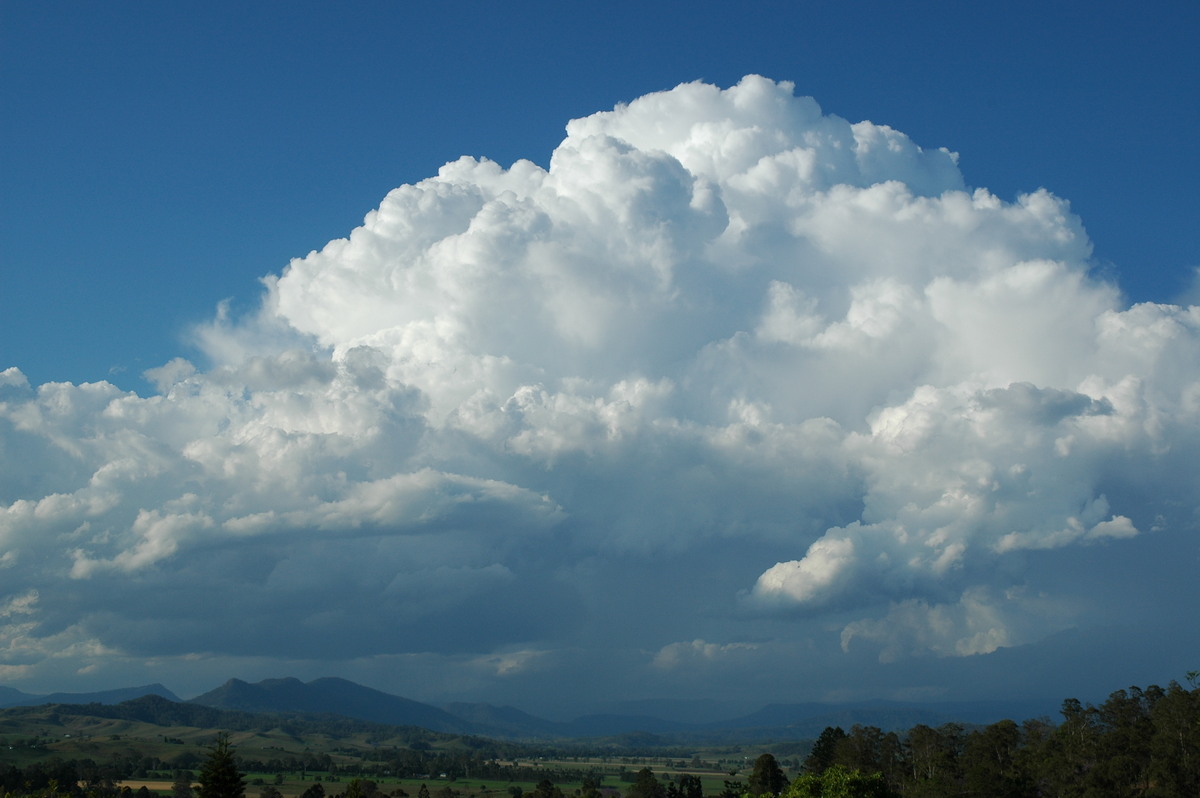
column 18, row 605
column 679, row 655
column 513, row 663
column 791, row 370
column 978, row 623
column 827, row 565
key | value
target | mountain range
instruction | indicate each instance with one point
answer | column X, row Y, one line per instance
column 339, row 697
column 10, row 697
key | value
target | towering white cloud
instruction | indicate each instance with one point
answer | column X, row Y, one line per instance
column 798, row 354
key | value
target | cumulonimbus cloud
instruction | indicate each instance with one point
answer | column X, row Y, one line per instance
column 718, row 315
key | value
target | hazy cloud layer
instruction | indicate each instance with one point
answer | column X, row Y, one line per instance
column 732, row 381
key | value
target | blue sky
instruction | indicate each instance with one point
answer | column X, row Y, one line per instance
column 591, row 429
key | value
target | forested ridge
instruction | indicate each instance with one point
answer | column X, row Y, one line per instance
column 1139, row 742
column 163, row 712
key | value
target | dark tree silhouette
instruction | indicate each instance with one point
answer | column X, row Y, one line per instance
column 767, row 777
column 646, row 786
column 824, row 750
column 219, row 775
column 690, row 787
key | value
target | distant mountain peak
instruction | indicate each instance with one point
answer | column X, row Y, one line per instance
column 332, row 696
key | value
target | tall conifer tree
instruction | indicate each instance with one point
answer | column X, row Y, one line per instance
column 219, row 777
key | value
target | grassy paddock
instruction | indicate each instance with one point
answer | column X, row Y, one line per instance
column 293, row 785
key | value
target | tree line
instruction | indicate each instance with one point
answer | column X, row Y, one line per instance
column 1137, row 743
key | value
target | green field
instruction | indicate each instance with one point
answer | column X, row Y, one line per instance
column 293, row 784
column 149, row 755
